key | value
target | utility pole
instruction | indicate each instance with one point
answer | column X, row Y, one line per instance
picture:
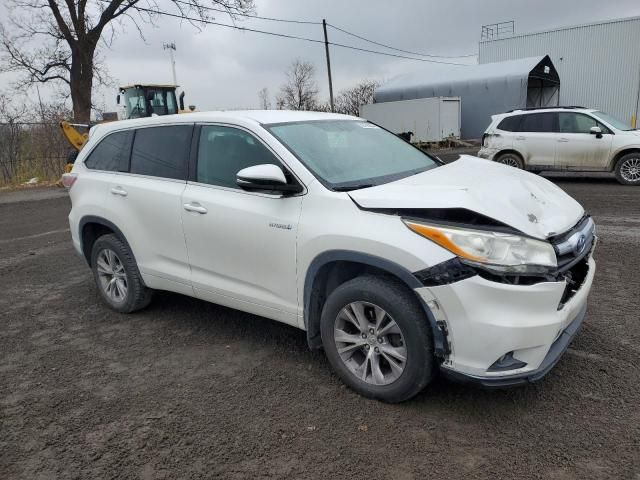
column 326, row 49
column 40, row 102
column 172, row 48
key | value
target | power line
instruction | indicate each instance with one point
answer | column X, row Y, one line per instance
column 284, row 35
column 247, row 15
column 210, row 22
column 399, row 49
column 308, row 22
column 395, row 55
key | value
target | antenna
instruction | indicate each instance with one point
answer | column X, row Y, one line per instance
column 172, row 48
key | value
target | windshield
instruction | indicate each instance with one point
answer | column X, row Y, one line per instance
column 134, row 103
column 144, row 102
column 349, row 154
column 614, row 122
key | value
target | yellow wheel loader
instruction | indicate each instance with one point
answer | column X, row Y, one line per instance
column 134, row 101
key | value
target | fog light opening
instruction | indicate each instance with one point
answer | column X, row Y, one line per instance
column 506, row 362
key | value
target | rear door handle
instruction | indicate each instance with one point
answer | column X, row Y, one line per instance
column 520, row 138
column 119, row 191
column 563, row 140
column 195, row 207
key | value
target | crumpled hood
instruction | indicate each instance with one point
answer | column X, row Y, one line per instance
column 522, row 200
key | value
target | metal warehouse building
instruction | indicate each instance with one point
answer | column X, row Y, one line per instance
column 599, row 63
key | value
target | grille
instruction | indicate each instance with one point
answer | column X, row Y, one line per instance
column 573, row 249
column 574, row 244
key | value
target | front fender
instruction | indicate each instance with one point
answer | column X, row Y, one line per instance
column 312, row 311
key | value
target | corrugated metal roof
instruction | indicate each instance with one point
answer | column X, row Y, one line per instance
column 435, row 76
column 485, row 89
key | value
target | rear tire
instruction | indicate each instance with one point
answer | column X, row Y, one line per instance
column 395, row 326
column 511, row 159
column 117, row 276
column 628, row 169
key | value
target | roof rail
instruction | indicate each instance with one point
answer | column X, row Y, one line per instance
column 568, row 107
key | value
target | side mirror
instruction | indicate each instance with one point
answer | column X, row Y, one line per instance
column 597, row 131
column 267, row 177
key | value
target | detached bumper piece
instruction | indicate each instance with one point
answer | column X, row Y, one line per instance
column 553, row 356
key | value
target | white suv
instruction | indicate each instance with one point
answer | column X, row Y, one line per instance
column 395, row 264
column 564, row 138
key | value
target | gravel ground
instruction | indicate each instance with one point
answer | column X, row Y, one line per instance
column 187, row 389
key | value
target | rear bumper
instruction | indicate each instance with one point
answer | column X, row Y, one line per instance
column 487, row 153
column 553, row 356
column 75, row 237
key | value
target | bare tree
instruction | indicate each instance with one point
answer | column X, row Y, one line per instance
column 10, row 133
column 58, row 41
column 300, row 91
column 265, row 102
column 350, row 100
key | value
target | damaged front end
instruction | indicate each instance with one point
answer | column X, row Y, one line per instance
column 572, row 249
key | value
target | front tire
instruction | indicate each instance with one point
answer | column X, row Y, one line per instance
column 628, row 169
column 117, row 276
column 377, row 338
column 510, row 159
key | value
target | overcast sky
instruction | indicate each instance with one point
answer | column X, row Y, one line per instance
column 224, row 68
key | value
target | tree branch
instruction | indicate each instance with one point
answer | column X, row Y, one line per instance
column 64, row 28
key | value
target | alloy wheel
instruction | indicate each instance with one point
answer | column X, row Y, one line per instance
column 630, row 170
column 112, row 275
column 509, row 160
column 370, row 343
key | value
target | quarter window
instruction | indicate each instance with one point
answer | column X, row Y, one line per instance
column 537, row 122
column 161, row 151
column 224, row 151
column 112, row 153
column 510, row 124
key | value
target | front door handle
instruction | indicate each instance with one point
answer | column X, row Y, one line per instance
column 563, row 140
column 520, row 138
column 195, row 207
column 119, row 191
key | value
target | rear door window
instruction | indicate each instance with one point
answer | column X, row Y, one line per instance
column 538, row 122
column 112, row 153
column 162, row 151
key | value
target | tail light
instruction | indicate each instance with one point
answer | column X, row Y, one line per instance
column 68, row 179
column 486, row 137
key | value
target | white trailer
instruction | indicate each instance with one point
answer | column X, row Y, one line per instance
column 430, row 119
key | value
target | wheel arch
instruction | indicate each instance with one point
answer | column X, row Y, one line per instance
column 93, row 227
column 513, row 151
column 618, row 155
column 332, row 268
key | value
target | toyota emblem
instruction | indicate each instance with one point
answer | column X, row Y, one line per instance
column 580, row 244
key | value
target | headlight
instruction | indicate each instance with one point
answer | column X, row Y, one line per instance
column 503, row 252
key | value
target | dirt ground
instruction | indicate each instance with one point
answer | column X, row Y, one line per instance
column 186, row 389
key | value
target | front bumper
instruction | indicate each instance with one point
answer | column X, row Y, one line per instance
column 486, row 320
column 553, row 356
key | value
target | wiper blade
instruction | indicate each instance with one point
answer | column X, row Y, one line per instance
column 347, row 188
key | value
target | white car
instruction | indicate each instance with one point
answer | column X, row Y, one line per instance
column 395, row 264
column 564, row 138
